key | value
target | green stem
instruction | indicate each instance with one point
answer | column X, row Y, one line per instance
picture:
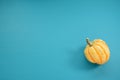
column 88, row 42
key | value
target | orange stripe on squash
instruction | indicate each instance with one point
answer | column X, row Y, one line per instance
column 99, row 55
column 91, row 56
column 103, row 50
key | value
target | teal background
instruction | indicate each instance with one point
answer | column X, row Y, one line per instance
column 45, row 39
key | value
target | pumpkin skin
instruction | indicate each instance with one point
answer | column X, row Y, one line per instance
column 97, row 51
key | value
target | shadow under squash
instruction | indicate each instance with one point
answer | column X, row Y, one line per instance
column 78, row 60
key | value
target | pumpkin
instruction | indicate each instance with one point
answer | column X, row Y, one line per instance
column 97, row 51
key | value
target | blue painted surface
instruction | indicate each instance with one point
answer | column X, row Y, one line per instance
column 45, row 39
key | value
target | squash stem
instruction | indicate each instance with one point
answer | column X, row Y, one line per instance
column 88, row 42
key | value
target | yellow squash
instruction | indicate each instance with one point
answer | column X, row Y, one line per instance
column 97, row 51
